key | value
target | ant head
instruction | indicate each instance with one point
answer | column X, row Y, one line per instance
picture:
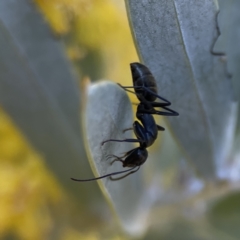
column 142, row 155
column 136, row 157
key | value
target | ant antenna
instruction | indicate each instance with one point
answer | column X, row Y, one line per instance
column 115, row 179
column 107, row 175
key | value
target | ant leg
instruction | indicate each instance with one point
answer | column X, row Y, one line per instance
column 129, row 86
column 116, row 159
column 125, row 88
column 110, row 156
column 167, row 103
column 160, row 128
column 127, row 129
column 158, row 104
column 124, row 155
column 115, row 179
column 128, row 153
column 153, row 111
column 129, row 91
column 172, row 113
column 104, row 176
column 149, row 105
column 156, row 95
column 124, row 140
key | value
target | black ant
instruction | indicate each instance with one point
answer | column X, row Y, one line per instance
column 145, row 88
column 146, row 134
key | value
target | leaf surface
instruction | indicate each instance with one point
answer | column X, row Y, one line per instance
column 229, row 43
column 175, row 39
column 108, row 113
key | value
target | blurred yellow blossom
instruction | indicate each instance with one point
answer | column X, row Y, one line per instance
column 26, row 186
column 94, row 25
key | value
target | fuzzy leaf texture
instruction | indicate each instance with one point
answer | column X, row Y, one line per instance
column 108, row 113
column 175, row 40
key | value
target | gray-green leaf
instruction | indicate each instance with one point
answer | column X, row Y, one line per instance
column 229, row 42
column 108, row 113
column 174, row 39
column 39, row 91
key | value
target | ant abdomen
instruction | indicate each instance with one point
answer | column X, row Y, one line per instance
column 150, row 83
column 139, row 70
column 142, row 80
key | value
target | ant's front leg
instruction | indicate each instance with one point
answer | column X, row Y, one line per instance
column 167, row 103
column 139, row 131
column 149, row 105
column 127, row 129
column 160, row 128
column 153, row 111
column 116, row 158
column 124, row 140
column 169, row 113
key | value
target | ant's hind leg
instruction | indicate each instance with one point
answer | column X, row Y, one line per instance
column 167, row 103
column 158, row 104
column 153, row 111
column 170, row 112
column 156, row 95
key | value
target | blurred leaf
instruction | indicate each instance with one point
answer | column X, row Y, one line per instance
column 224, row 214
column 175, row 39
column 58, row 13
column 39, row 91
column 173, row 175
column 229, row 42
column 108, row 112
column 193, row 228
column 97, row 31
